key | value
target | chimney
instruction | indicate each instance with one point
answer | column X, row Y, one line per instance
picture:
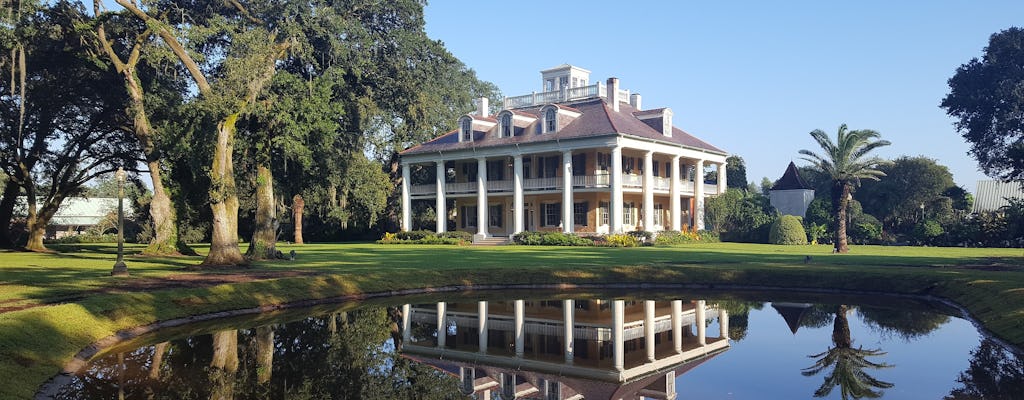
column 634, row 100
column 481, row 107
column 613, row 93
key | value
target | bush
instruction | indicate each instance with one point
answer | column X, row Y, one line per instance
column 787, row 230
column 551, row 239
column 622, row 240
column 669, row 238
column 426, row 237
column 86, row 238
column 643, row 237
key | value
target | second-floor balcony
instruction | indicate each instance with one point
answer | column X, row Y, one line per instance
column 599, row 181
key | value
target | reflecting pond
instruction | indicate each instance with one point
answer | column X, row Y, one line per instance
column 505, row 345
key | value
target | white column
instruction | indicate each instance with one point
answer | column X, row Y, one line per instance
column 481, row 197
column 698, row 196
column 677, row 325
column 442, row 328
column 568, row 320
column 567, row 219
column 674, row 203
column 406, row 199
column 406, row 323
column 723, row 323
column 618, row 346
column 615, row 205
column 517, row 193
column 721, row 178
column 441, row 212
column 649, row 328
column 481, row 330
column 520, row 332
column 649, row 191
column 702, row 326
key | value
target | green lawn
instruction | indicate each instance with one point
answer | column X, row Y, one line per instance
column 61, row 302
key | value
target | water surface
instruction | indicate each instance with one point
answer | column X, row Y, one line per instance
column 621, row 345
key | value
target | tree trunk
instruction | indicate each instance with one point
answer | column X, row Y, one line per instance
column 37, row 222
column 841, row 329
column 264, row 353
column 10, row 198
column 264, row 236
column 840, row 202
column 224, row 250
column 165, row 221
column 158, row 358
column 297, row 206
column 224, row 364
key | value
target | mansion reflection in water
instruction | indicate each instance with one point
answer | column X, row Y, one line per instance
column 564, row 349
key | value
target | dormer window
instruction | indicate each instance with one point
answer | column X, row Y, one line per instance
column 466, row 129
column 506, row 125
column 550, row 120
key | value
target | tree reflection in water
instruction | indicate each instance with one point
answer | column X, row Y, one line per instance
column 904, row 323
column 339, row 356
column 847, row 364
column 994, row 374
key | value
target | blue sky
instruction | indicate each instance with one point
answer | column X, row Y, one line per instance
column 753, row 78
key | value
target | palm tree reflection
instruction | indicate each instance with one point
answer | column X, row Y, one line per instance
column 848, row 364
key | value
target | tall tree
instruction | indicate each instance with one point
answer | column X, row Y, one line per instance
column 61, row 129
column 911, row 183
column 846, row 162
column 244, row 44
column 123, row 51
column 736, row 172
column 986, row 99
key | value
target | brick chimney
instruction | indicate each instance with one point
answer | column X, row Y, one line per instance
column 613, row 93
column 481, row 107
column 634, row 100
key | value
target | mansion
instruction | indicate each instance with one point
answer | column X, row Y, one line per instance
column 577, row 157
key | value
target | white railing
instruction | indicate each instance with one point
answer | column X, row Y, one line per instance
column 632, row 181
column 623, row 96
column 499, row 186
column 464, row 187
column 687, row 187
column 543, row 183
column 710, row 189
column 565, row 94
column 662, row 183
column 422, row 189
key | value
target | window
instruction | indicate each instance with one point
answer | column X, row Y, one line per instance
column 659, row 214
column 668, row 170
column 575, row 82
column 469, row 170
column 603, row 161
column 627, row 213
column 468, row 216
column 548, row 166
column 550, row 120
column 551, row 214
column 563, row 81
column 496, row 170
column 494, row 215
column 527, row 163
column 579, row 213
column 506, row 125
column 466, row 129
column 603, row 210
column 549, row 85
column 655, row 165
column 579, row 164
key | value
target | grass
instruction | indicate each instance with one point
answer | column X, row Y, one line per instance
column 59, row 303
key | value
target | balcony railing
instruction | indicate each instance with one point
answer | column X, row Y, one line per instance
column 583, row 181
column 565, row 94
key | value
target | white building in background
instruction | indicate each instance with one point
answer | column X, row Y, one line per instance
column 991, row 195
column 791, row 195
column 578, row 157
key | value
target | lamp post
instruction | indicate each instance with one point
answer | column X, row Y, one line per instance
column 120, row 268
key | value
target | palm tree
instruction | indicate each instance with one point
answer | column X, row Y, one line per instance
column 848, row 364
column 846, row 163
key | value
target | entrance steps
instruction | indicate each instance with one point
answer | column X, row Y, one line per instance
column 491, row 241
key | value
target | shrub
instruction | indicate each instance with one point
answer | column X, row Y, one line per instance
column 551, row 239
column 86, row 238
column 787, row 230
column 622, row 240
column 414, row 235
column 461, row 235
column 426, row 237
column 643, row 237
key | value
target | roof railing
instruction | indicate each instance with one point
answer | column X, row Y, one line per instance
column 562, row 95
